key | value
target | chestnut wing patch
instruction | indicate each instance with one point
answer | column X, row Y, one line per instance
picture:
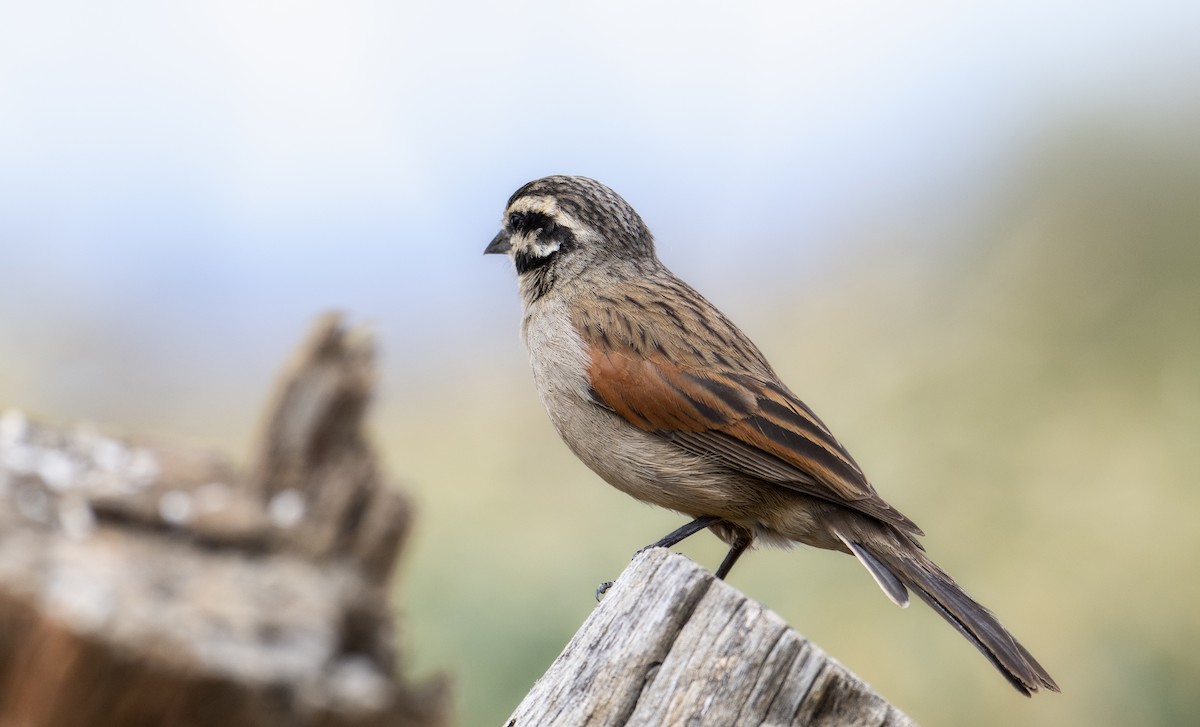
column 660, row 396
column 753, row 425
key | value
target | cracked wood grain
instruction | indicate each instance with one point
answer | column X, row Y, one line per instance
column 670, row 645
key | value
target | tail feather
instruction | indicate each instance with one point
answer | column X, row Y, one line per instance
column 888, row 582
column 932, row 585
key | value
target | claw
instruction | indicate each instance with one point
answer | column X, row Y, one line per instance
column 603, row 588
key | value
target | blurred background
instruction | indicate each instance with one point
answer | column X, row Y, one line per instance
column 967, row 234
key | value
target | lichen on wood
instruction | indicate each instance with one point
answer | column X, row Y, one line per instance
column 145, row 582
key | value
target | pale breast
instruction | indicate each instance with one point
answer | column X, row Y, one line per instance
column 638, row 463
column 556, row 352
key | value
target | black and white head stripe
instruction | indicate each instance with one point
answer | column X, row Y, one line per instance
column 544, row 239
column 585, row 204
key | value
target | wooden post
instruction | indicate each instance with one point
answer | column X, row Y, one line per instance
column 671, row 645
column 143, row 583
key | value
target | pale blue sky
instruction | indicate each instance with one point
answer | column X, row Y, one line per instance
column 177, row 178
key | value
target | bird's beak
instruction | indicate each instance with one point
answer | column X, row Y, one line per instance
column 500, row 244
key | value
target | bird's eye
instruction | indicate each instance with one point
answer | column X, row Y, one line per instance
column 516, row 220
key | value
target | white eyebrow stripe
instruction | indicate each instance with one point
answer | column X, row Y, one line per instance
column 547, row 206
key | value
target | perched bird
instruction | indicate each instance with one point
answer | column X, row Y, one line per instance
column 664, row 398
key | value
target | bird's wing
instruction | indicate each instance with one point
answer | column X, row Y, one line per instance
column 745, row 418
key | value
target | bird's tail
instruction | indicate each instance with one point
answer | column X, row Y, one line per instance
column 900, row 565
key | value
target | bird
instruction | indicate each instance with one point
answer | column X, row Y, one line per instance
column 663, row 397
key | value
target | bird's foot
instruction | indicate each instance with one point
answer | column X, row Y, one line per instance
column 603, row 588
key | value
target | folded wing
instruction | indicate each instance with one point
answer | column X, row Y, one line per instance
column 750, row 422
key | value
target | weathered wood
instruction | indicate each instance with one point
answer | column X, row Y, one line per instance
column 671, row 645
column 143, row 583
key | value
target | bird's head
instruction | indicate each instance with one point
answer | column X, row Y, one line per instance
column 559, row 227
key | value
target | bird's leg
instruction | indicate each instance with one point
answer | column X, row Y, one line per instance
column 735, row 551
column 676, row 536
column 680, row 534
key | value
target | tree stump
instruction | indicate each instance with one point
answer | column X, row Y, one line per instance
column 143, row 583
column 671, row 645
